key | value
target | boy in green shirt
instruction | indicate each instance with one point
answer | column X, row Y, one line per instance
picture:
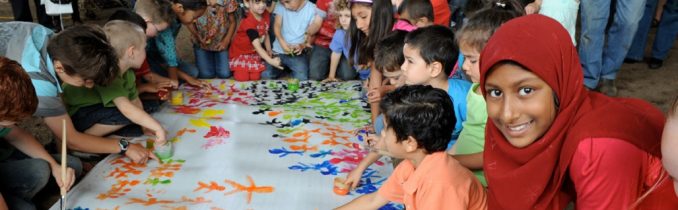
column 103, row 110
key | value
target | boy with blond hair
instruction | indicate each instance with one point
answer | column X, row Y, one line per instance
column 103, row 110
column 77, row 56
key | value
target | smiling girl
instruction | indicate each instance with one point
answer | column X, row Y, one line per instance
column 549, row 141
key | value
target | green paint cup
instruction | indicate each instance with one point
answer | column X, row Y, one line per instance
column 163, row 151
column 293, row 85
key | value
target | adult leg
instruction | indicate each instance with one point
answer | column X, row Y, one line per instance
column 667, row 31
column 21, row 10
column 637, row 50
column 204, row 61
column 594, row 16
column 619, row 36
column 319, row 63
column 43, row 18
column 221, row 64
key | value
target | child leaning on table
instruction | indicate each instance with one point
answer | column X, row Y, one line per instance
column 418, row 125
column 105, row 109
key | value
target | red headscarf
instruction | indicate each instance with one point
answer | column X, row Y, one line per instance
column 534, row 176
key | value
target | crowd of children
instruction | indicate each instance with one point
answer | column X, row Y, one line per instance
column 499, row 114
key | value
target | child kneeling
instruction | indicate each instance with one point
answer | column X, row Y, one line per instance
column 418, row 125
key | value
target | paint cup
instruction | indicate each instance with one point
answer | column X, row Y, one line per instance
column 163, row 151
column 293, row 85
column 339, row 187
column 177, row 98
column 163, row 94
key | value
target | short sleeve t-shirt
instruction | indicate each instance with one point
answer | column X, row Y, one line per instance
column 294, row 24
column 439, row 182
column 457, row 90
column 26, row 43
column 338, row 44
column 122, row 86
column 472, row 137
column 242, row 43
column 164, row 44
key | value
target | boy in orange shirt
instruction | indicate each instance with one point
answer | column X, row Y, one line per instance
column 418, row 125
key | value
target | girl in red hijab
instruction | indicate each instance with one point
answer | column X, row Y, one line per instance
column 549, row 141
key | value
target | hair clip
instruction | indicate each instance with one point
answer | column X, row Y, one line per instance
column 500, row 4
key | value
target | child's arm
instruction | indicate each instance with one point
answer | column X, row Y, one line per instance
column 472, row 161
column 140, row 117
column 92, row 144
column 267, row 44
column 166, row 47
column 375, row 95
column 375, row 82
column 353, row 178
column 334, row 63
column 256, row 43
column 312, row 29
column 26, row 143
column 226, row 40
column 191, row 80
column 369, row 201
column 277, row 30
column 3, row 204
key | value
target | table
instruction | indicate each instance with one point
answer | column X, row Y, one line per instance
column 244, row 145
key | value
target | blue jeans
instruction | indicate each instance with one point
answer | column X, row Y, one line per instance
column 601, row 60
column 667, row 31
column 298, row 64
column 21, row 177
column 637, row 50
column 211, row 63
column 320, row 65
column 159, row 66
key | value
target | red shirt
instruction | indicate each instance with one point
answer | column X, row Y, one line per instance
column 143, row 70
column 324, row 35
column 242, row 44
column 441, row 13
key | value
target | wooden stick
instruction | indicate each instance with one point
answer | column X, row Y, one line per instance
column 63, row 162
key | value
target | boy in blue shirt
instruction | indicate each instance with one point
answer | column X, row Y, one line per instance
column 296, row 21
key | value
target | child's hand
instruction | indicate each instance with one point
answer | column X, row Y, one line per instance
column 286, row 48
column 330, row 79
column 308, row 40
column 67, row 181
column 160, row 136
column 167, row 85
column 138, row 154
column 223, row 45
column 276, row 62
column 353, row 178
column 196, row 82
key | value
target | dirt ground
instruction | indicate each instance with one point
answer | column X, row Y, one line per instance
column 658, row 87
